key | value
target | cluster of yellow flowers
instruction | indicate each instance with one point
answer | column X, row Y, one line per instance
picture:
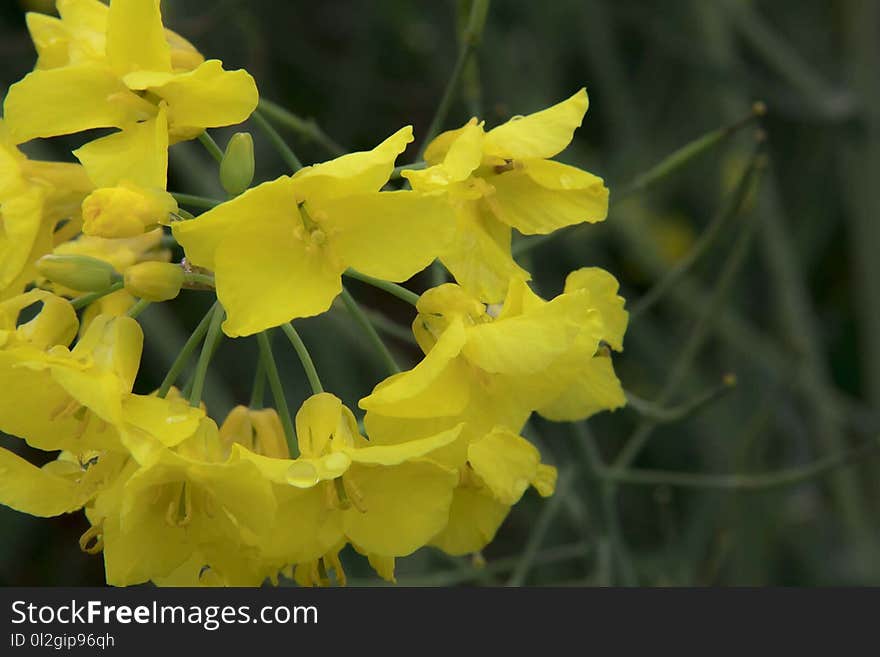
column 171, row 497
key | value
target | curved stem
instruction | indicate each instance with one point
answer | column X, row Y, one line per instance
column 372, row 335
column 667, row 414
column 138, row 308
column 277, row 141
column 304, row 357
column 186, row 351
column 259, row 387
column 195, row 201
column 306, row 128
column 392, row 288
column 211, row 146
column 211, row 339
column 271, row 369
column 86, row 299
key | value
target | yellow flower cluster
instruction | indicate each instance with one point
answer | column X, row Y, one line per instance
column 171, row 497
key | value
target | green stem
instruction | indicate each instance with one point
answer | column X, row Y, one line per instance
column 196, row 281
column 469, row 42
column 211, row 146
column 195, row 201
column 667, row 414
column 211, row 340
column 305, row 128
column 542, row 526
column 186, row 351
column 86, row 299
column 405, row 167
column 259, row 387
column 761, row 481
column 138, row 308
column 706, row 240
column 271, row 369
column 392, row 288
column 370, row 331
column 389, row 327
column 304, row 357
column 277, row 141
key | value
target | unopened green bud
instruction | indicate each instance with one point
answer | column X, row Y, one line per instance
column 237, row 167
column 77, row 272
column 153, row 280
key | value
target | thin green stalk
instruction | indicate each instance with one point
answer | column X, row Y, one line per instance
column 404, row 167
column 722, row 218
column 392, row 288
column 369, row 330
column 542, row 526
column 211, row 146
column 667, row 414
column 699, row 334
column 196, row 281
column 138, row 308
column 186, row 351
column 390, row 327
column 195, row 201
column 304, row 357
column 470, row 40
column 258, row 389
column 760, row 481
column 277, row 141
column 305, row 128
column 271, row 369
column 211, row 340
column 86, row 299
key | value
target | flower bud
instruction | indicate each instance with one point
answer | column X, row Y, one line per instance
column 237, row 167
column 154, row 281
column 77, row 272
column 125, row 211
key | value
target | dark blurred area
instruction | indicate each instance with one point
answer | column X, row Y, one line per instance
column 799, row 325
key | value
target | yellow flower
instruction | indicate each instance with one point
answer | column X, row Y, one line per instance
column 79, row 36
column 503, row 179
column 388, row 500
column 34, row 197
column 193, row 510
column 491, row 366
column 279, row 249
column 500, row 467
column 75, row 399
column 119, row 80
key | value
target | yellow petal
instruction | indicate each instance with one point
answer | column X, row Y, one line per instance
column 170, row 420
column 539, row 135
column 263, row 287
column 316, row 422
column 602, row 295
column 54, row 324
column 71, row 99
column 528, row 343
column 390, row 235
column 354, row 173
column 138, row 154
column 405, row 506
column 479, row 255
column 506, row 462
column 271, row 203
column 306, row 528
column 544, row 196
column 436, row 386
column 22, row 220
column 405, row 451
column 50, row 39
column 136, row 37
column 29, row 489
column 463, row 155
column 593, row 388
column 208, row 97
column 474, row 518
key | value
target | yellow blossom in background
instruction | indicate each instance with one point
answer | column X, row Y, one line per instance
column 278, row 251
column 504, row 179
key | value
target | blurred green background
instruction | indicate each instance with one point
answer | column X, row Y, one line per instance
column 798, row 323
